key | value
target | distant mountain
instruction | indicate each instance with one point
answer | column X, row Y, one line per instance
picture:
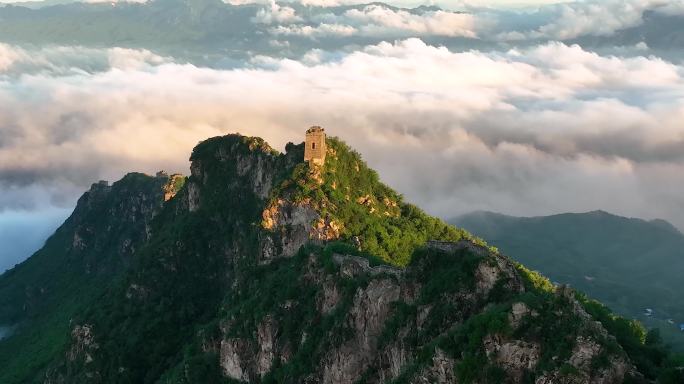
column 197, row 30
column 628, row 264
column 261, row 268
column 41, row 3
column 169, row 26
column 206, row 31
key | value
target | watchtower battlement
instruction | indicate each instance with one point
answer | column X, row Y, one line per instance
column 315, row 149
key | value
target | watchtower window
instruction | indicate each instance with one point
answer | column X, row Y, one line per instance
column 313, row 145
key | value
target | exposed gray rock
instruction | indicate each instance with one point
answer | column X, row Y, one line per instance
column 354, row 265
column 486, row 276
column 366, row 318
column 585, row 350
column 440, row 372
column 423, row 313
column 290, row 226
column 329, row 297
column 452, row 247
column 232, row 363
column 393, row 359
column 259, row 171
column 193, row 196
column 514, row 356
column 83, row 343
column 518, row 312
column 267, row 334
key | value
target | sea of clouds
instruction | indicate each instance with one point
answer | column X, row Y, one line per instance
column 546, row 128
column 560, row 21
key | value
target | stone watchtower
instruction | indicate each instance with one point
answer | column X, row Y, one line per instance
column 315, row 149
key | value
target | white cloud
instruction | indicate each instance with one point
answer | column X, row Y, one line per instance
column 245, row 2
column 321, row 30
column 276, row 14
column 378, row 20
column 62, row 61
column 381, row 21
column 329, row 3
column 558, row 21
column 597, row 18
column 524, row 132
column 114, row 2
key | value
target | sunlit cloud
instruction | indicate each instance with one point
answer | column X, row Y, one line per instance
column 524, row 131
column 594, row 18
column 378, row 20
column 276, row 13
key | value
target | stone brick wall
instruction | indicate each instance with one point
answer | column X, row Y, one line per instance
column 315, row 145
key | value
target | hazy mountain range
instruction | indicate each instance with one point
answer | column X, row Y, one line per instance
column 211, row 31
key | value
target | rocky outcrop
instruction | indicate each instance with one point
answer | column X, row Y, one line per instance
column 578, row 368
column 127, row 207
column 193, row 196
column 581, row 366
column 351, row 266
column 249, row 360
column 440, row 371
column 258, row 170
column 173, row 185
column 519, row 311
column 514, row 357
column 394, row 357
column 289, row 225
column 366, row 319
column 458, row 246
column 267, row 334
column 83, row 343
column 329, row 297
column 379, row 348
column 234, row 354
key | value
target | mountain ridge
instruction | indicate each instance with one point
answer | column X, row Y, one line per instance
column 263, row 268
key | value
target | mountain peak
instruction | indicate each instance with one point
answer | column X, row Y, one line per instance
column 340, row 199
column 263, row 267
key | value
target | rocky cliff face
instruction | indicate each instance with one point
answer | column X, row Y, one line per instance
column 398, row 325
column 93, row 248
column 117, row 219
column 260, row 269
column 108, row 225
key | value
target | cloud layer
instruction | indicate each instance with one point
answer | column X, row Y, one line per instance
column 575, row 19
column 562, row 21
column 376, row 20
column 547, row 129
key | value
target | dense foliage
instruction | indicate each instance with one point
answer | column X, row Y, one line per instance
column 43, row 294
column 628, row 264
column 159, row 287
column 348, row 192
column 645, row 348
